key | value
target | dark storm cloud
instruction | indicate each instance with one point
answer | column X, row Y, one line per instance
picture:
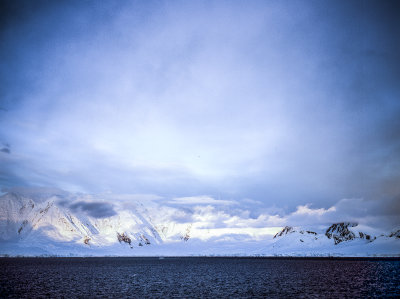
column 94, row 209
column 5, row 150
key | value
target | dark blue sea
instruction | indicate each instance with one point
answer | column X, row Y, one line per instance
column 198, row 277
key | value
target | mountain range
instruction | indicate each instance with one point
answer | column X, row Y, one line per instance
column 53, row 223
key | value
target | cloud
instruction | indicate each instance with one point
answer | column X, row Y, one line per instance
column 271, row 101
column 5, row 150
column 251, row 201
column 307, row 211
column 262, row 221
column 38, row 194
column 200, row 200
column 94, row 209
column 369, row 213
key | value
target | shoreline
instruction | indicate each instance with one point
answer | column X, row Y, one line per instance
column 341, row 258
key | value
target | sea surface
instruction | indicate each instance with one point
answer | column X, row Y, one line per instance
column 198, row 277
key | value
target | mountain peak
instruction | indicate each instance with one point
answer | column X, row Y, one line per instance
column 340, row 232
column 286, row 230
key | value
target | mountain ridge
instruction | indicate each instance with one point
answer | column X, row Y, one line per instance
column 57, row 224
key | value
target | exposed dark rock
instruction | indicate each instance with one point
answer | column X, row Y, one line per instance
column 286, row 230
column 24, row 223
column 145, row 240
column 123, row 238
column 186, row 236
column 395, row 234
column 46, row 209
column 366, row 236
column 340, row 232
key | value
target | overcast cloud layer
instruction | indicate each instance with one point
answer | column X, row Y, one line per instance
column 269, row 104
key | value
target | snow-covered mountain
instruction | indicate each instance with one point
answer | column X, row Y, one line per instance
column 60, row 223
column 51, row 224
column 343, row 239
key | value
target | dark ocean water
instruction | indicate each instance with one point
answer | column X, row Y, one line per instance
column 198, row 277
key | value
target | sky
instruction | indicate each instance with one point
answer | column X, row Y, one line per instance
column 272, row 105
